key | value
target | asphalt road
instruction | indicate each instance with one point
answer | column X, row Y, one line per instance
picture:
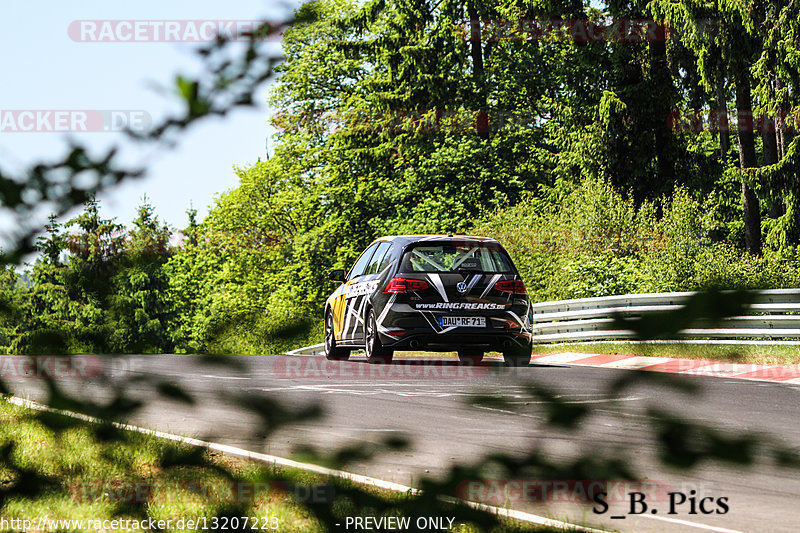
column 432, row 403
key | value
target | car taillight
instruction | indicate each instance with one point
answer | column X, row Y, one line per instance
column 512, row 286
column 405, row 285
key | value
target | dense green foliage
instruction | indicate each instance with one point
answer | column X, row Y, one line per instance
column 399, row 117
column 590, row 190
column 96, row 288
column 591, row 240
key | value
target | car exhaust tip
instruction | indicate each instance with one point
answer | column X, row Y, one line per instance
column 506, row 344
column 414, row 343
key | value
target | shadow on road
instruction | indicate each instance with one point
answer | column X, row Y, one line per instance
column 442, row 362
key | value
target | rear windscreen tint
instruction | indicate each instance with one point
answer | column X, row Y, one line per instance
column 450, row 257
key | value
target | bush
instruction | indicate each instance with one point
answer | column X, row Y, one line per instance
column 585, row 240
column 272, row 334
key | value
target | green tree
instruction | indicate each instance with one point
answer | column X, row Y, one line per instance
column 13, row 299
column 139, row 310
column 748, row 45
column 43, row 319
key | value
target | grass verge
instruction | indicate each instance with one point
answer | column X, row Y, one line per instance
column 54, row 467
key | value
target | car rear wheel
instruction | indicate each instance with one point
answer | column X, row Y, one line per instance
column 472, row 357
column 333, row 352
column 376, row 353
column 518, row 355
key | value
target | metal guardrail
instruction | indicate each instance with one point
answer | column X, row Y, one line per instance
column 314, row 349
column 771, row 315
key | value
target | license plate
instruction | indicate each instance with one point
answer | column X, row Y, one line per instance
column 462, row 321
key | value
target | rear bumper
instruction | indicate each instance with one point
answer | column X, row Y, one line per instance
column 488, row 340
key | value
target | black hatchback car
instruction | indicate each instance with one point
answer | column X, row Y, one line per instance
column 430, row 292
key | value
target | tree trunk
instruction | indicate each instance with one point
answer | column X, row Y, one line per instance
column 768, row 133
column 721, row 118
column 476, row 49
column 747, row 159
column 769, row 139
column 779, row 123
column 663, row 101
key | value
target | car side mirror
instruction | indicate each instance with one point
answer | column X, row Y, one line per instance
column 337, row 275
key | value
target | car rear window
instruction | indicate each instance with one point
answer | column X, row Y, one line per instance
column 456, row 257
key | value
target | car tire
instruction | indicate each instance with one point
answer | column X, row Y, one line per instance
column 333, row 352
column 517, row 355
column 472, row 357
column 376, row 353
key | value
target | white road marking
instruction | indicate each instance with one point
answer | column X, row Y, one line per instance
column 368, row 388
column 691, row 524
column 370, row 391
column 282, row 461
column 356, row 478
column 535, row 402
